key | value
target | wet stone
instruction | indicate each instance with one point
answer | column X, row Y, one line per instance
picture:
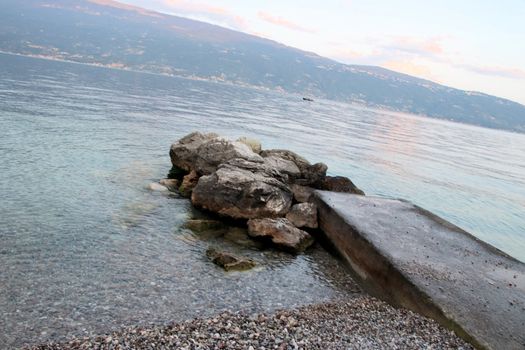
column 229, row 261
column 281, row 233
column 188, row 184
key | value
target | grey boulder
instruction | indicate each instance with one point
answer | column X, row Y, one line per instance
column 183, row 153
column 243, row 189
column 218, row 151
column 309, row 174
column 205, row 152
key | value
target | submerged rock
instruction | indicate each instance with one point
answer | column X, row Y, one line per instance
column 239, row 236
column 229, row 261
column 281, row 232
column 339, row 184
column 303, row 215
column 243, row 192
column 200, row 225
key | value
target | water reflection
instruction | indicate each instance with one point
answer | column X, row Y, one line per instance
column 86, row 247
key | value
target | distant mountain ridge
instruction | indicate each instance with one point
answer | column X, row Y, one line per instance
column 112, row 34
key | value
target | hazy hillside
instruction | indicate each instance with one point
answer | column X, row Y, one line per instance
column 108, row 33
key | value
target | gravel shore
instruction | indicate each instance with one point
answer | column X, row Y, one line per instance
column 362, row 322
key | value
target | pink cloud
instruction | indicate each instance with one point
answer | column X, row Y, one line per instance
column 411, row 68
column 283, row 22
column 412, row 45
column 504, row 72
column 215, row 13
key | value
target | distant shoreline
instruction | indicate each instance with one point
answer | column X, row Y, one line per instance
column 383, row 109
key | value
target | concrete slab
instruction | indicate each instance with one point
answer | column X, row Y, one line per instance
column 415, row 259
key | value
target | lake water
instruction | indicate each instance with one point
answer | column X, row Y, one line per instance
column 85, row 247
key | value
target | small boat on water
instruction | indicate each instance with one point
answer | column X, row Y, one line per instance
column 308, row 99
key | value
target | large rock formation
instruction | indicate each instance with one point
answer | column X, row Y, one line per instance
column 237, row 179
column 281, row 232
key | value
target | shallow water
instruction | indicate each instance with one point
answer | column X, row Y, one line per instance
column 86, row 247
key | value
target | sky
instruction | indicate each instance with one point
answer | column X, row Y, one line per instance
column 476, row 45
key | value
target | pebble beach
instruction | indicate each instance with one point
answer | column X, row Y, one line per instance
column 361, row 322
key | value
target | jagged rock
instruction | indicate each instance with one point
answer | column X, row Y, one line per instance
column 183, row 153
column 201, row 225
column 284, row 166
column 310, row 174
column 301, row 194
column 204, row 152
column 229, row 261
column 288, row 155
column 339, row 184
column 261, row 168
column 218, row 151
column 188, row 184
column 243, row 189
column 170, row 184
column 303, row 215
column 281, row 232
column 255, row 145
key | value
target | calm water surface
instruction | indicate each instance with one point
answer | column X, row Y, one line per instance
column 85, row 246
